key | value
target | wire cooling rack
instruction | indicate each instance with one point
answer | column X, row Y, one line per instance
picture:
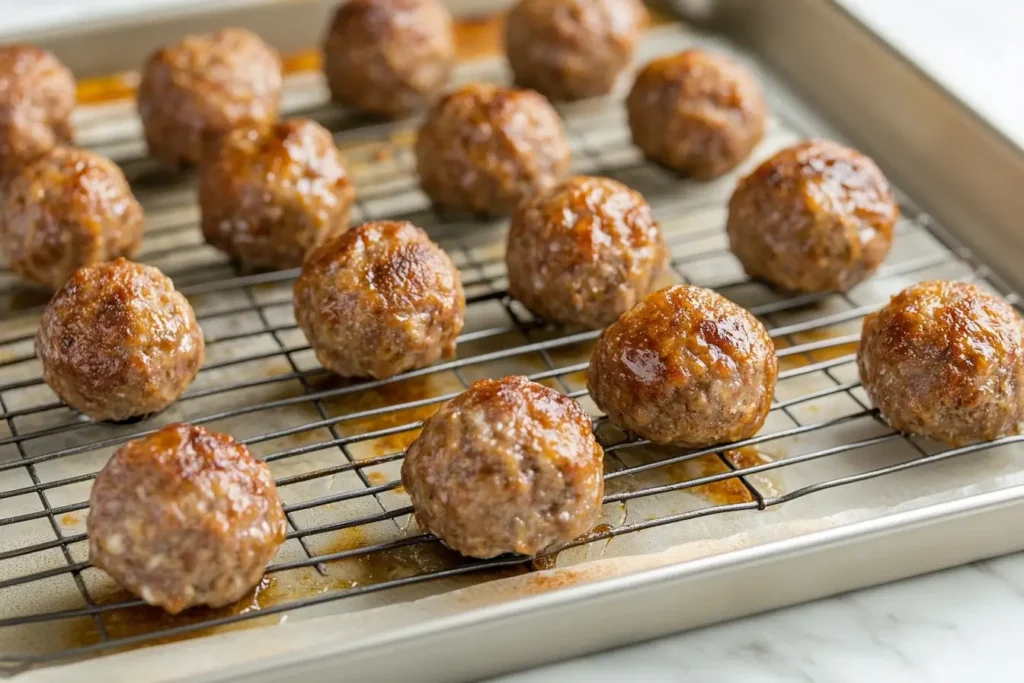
column 335, row 447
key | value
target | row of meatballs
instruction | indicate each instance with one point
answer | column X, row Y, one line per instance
column 185, row 517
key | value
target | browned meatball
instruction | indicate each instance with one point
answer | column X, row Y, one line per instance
column 945, row 360
column 815, row 217
column 67, row 209
column 389, row 57
column 185, row 517
column 484, row 148
column 697, row 113
column 685, row 366
column 509, row 466
column 572, row 49
column 584, row 252
column 379, row 300
column 196, row 90
column 37, row 94
column 117, row 341
column 269, row 194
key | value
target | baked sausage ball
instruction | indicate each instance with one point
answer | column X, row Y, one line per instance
column 584, row 252
column 484, row 148
column 185, row 517
column 685, row 366
column 389, row 57
column 815, row 217
column 509, row 466
column 197, row 90
column 269, row 194
column 697, row 113
column 117, row 341
column 37, row 94
column 945, row 360
column 67, row 209
column 572, row 49
column 379, row 300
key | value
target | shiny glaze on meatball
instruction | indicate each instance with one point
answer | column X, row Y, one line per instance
column 185, row 517
column 584, row 252
column 945, row 360
column 697, row 113
column 389, row 57
column 117, row 341
column 269, row 194
column 37, row 95
column 685, row 366
column 509, row 466
column 484, row 148
column 197, row 90
column 379, row 300
column 815, row 217
column 572, row 49
column 67, row 209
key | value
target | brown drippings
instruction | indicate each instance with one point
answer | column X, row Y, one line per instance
column 479, row 37
column 752, row 456
column 724, row 492
column 69, row 519
column 304, row 60
column 829, row 353
column 107, row 88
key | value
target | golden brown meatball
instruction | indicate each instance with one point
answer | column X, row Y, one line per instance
column 945, row 360
column 572, row 49
column 509, row 466
column 697, row 113
column 195, row 91
column 379, row 300
column 685, row 366
column 389, row 57
column 269, row 194
column 584, row 252
column 37, row 95
column 815, row 217
column 484, row 148
column 117, row 341
column 69, row 208
column 185, row 517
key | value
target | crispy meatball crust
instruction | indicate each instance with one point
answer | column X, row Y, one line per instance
column 572, row 49
column 37, row 95
column 197, row 90
column 389, row 57
column 816, row 217
column 117, row 341
column 185, row 517
column 584, row 252
column 945, row 360
column 483, row 148
column 685, row 366
column 697, row 113
column 509, row 466
column 379, row 300
column 67, row 209
column 269, row 194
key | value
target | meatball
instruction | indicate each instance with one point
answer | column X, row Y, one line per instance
column 685, row 366
column 185, row 517
column 389, row 57
column 37, row 95
column 269, row 194
column 945, row 360
column 572, row 49
column 484, row 148
column 509, row 466
column 67, row 209
column 584, row 252
column 816, row 217
column 697, row 113
column 117, row 341
column 379, row 300
column 197, row 90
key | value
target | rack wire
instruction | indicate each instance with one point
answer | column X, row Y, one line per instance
column 335, row 446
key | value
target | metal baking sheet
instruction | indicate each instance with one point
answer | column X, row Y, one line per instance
column 789, row 515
